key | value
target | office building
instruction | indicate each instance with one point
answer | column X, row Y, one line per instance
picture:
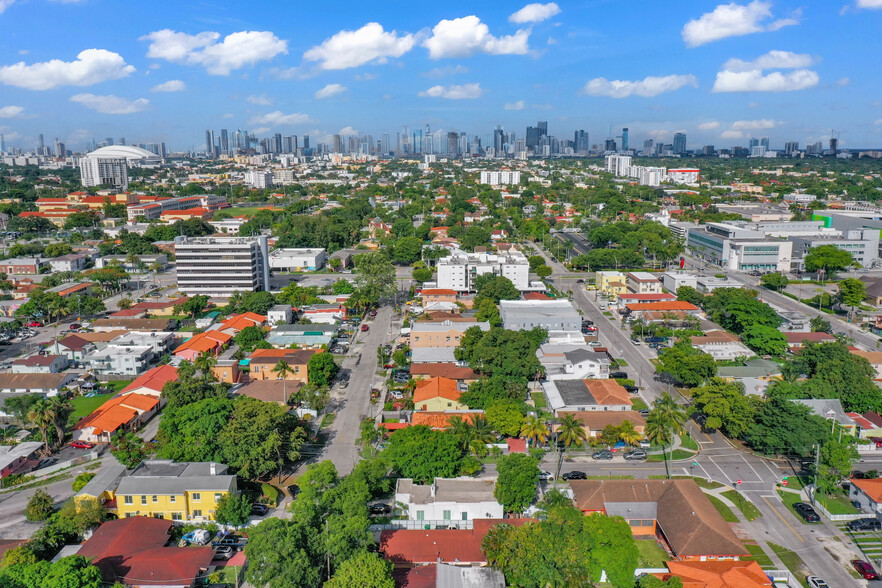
column 625, row 139
column 618, row 165
column 648, row 147
column 609, row 145
column 551, row 315
column 453, row 144
column 109, row 171
column 220, row 266
column 154, row 210
column 580, row 143
column 500, row 178
column 791, row 147
column 298, row 259
column 459, row 270
column 679, row 144
column 738, row 248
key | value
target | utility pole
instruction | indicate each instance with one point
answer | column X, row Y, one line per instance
column 817, row 465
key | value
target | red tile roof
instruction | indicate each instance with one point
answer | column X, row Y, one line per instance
column 447, row 370
column 241, row 321
column 803, row 337
column 872, row 488
column 117, row 412
column 436, row 388
column 154, row 379
column 441, row 545
column 672, row 305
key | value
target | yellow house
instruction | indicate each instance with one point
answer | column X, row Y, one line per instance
column 163, row 489
column 611, row 284
column 437, row 394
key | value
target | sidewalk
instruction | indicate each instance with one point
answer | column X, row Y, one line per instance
column 755, row 534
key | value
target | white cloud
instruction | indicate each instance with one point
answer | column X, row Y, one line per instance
column 348, row 131
column 92, row 66
column 733, row 20
column 731, row 135
column 755, row 81
column 647, row 87
column 330, row 90
column 261, row 100
column 462, row 37
column 709, row 126
column 170, row 86
column 878, row 122
column 754, row 125
column 11, row 111
column 368, row 44
column 519, row 105
column 111, row 104
column 229, row 115
column 235, row 51
column 843, row 82
column 535, row 13
column 4, row 4
column 454, row 92
column 448, row 70
column 869, row 4
column 279, row 118
column 365, row 77
column 771, row 60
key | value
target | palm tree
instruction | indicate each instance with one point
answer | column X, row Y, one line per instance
column 462, row 430
column 204, row 362
column 571, row 430
column 42, row 416
column 552, row 499
column 673, row 412
column 665, row 421
column 534, row 430
column 629, row 434
column 483, row 434
column 282, row 370
column 61, row 410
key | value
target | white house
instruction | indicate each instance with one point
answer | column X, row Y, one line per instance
column 572, row 362
column 449, row 499
column 297, row 260
column 280, row 313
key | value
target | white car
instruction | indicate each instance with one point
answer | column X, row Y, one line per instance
column 595, row 343
column 546, row 476
column 816, row 582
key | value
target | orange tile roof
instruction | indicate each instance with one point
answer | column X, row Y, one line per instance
column 117, row 412
column 438, row 292
column 717, row 574
column 672, row 305
column 206, row 341
column 441, row 420
column 437, row 387
column 154, row 379
column 241, row 321
column 607, row 392
column 872, row 488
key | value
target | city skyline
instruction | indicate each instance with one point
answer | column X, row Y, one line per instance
column 722, row 74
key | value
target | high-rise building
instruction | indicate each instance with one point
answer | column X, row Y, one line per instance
column 40, row 144
column 453, row 144
column 754, row 142
column 306, row 141
column 648, row 146
column 679, row 143
column 707, row 150
column 625, row 139
column 834, row 145
column 609, row 145
column 209, row 143
column 224, row 141
column 765, row 143
column 60, row 150
column 338, row 143
column 97, row 171
column 498, row 142
column 580, row 142
column 220, row 266
column 543, row 128
column 277, row 143
column 791, row 147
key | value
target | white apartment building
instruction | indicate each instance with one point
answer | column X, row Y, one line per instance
column 110, row 171
column 259, row 179
column 684, row 176
column 298, row 260
column 154, row 210
column 500, row 178
column 220, row 266
column 648, row 176
column 643, row 283
column 449, row 499
column 459, row 270
column 618, row 165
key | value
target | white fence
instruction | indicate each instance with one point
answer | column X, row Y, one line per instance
column 94, row 454
column 423, row 525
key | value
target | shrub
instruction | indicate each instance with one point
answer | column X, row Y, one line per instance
column 80, row 482
column 270, row 494
column 40, row 506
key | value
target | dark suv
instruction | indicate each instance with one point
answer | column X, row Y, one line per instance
column 618, row 375
column 807, row 513
column 864, row 525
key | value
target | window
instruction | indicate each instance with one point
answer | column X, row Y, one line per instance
column 421, row 515
column 197, row 513
column 127, row 499
column 129, row 515
column 465, row 516
column 197, row 497
column 156, row 499
column 217, row 496
column 446, row 515
column 143, row 500
column 296, row 369
column 172, row 498
column 158, row 515
column 176, row 516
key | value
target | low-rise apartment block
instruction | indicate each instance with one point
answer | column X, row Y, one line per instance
column 459, row 270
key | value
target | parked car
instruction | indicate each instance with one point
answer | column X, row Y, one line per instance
column 866, row 524
column 259, row 510
column 866, row 571
column 224, row 552
column 237, row 543
column 636, row 455
column 34, row 324
column 373, row 313
column 379, row 509
column 76, row 326
column 365, row 328
column 816, row 582
column 590, row 329
column 618, row 375
column 594, row 344
column 602, row 454
column 546, row 476
column 575, row 475
column 82, row 445
column 877, row 441
column 807, row 513
column 636, row 341
column 587, row 323
column 632, row 389
column 45, row 463
column 644, row 412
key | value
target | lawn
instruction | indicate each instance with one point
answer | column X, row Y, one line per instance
column 651, row 555
column 702, row 483
column 724, row 510
column 538, row 399
column 747, row 508
column 622, row 363
column 791, row 498
column 638, row 404
column 83, row 406
column 836, row 504
column 328, row 420
column 793, row 562
column 758, row 555
column 687, row 442
column 677, row 454
column 116, row 385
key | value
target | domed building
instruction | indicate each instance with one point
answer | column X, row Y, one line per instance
column 109, row 165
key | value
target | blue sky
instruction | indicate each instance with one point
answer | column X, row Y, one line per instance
column 166, row 71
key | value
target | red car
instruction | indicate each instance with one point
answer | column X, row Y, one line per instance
column 877, row 441
column 82, row 445
column 865, row 569
column 34, row 324
column 364, row 327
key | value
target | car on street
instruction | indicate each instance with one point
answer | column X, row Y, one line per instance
column 587, row 323
column 34, row 324
column 589, row 329
column 865, row 569
column 816, row 582
column 372, row 313
column 379, row 509
column 618, row 375
column 636, row 341
column 594, row 344
column 365, row 328
column 76, row 326
column 636, row 455
column 546, row 476
column 45, row 463
column 865, row 524
column 82, row 445
column 575, row 475
column 602, row 454
column 877, row 441
column 580, row 281
column 259, row 510
column 807, row 513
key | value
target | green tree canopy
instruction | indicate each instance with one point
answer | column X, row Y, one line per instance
column 516, row 485
column 829, row 258
column 688, row 365
column 505, row 416
column 375, row 279
column 423, row 454
column 726, row 406
column 366, row 570
column 765, row 340
column 407, row 250
column 233, row 509
column 322, row 369
column 783, row 427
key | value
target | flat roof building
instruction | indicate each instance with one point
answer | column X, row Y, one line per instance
column 219, row 266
